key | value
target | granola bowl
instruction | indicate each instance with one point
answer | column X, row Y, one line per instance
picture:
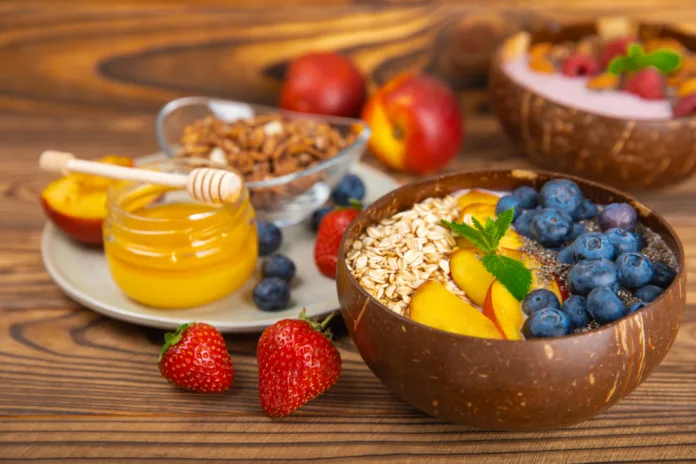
column 500, row 384
column 290, row 161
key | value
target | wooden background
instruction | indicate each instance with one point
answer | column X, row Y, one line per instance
column 89, row 77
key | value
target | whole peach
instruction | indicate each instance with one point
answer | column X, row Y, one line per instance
column 416, row 123
column 323, row 83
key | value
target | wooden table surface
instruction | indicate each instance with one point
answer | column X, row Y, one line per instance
column 89, row 77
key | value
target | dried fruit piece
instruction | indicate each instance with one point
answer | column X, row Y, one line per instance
column 542, row 65
column 647, row 83
column 687, row 87
column 685, row 107
column 604, row 81
column 579, row 66
column 540, row 50
column 664, row 43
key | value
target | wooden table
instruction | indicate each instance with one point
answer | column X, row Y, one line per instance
column 89, row 78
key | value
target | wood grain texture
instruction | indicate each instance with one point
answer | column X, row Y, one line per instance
column 88, row 77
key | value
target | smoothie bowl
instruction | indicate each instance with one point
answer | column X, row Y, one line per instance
column 448, row 323
column 613, row 101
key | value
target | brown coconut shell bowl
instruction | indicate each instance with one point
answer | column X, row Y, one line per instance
column 627, row 154
column 502, row 384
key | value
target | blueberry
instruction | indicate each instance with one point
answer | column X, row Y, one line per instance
column 551, row 227
column 507, row 202
column 317, row 216
column 539, row 299
column 648, row 293
column 575, row 308
column 604, row 306
column 528, row 197
column 566, row 255
column 618, row 215
column 280, row 266
column 593, row 245
column 635, row 270
column 623, row 241
column 563, row 194
column 587, row 209
column 524, row 221
column 589, row 274
column 272, row 294
column 663, row 275
column 351, row 187
column 576, row 230
column 548, row 322
column 270, row 237
column 635, row 307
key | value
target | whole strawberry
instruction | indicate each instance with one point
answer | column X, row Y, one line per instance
column 648, row 84
column 195, row 358
column 297, row 362
column 329, row 236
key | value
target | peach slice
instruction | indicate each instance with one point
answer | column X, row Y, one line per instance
column 481, row 211
column 435, row 306
column 76, row 203
column 476, row 196
column 534, row 265
column 504, row 310
column 470, row 275
column 511, row 240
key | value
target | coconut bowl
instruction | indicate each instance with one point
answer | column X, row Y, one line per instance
column 502, row 384
column 630, row 154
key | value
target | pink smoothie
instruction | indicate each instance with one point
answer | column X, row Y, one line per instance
column 571, row 91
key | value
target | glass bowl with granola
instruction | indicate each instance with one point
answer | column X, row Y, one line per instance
column 290, row 161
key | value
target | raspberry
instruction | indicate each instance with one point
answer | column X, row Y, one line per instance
column 613, row 49
column 647, row 83
column 579, row 65
column 685, row 106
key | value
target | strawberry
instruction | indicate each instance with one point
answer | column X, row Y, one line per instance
column 297, row 362
column 580, row 65
column 685, row 106
column 647, row 83
column 195, row 358
column 329, row 236
column 613, row 49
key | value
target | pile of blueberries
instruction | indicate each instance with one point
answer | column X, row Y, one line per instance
column 602, row 262
column 272, row 293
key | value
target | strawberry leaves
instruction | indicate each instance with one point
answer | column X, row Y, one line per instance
column 666, row 61
column 511, row 273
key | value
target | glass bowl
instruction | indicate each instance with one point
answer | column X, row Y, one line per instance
column 284, row 200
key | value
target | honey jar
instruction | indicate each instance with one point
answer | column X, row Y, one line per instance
column 165, row 250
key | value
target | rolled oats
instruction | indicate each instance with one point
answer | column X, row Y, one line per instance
column 405, row 250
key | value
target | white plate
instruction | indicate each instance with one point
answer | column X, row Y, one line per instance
column 83, row 275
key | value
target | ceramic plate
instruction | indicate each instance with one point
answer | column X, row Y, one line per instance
column 83, row 275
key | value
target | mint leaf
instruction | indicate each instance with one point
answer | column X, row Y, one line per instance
column 478, row 226
column 511, row 273
column 502, row 224
column 664, row 60
column 469, row 232
column 634, row 50
column 618, row 65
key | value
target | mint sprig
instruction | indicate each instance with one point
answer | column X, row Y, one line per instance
column 511, row 273
column 664, row 60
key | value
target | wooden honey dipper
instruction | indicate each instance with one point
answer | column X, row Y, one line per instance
column 208, row 185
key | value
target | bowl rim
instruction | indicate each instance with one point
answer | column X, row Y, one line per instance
column 602, row 329
column 360, row 140
column 499, row 60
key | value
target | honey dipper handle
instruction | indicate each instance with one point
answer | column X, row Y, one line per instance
column 203, row 184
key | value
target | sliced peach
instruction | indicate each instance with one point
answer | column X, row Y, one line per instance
column 504, row 310
column 76, row 203
column 470, row 275
column 435, row 306
column 534, row 265
column 511, row 240
column 476, row 196
column 481, row 211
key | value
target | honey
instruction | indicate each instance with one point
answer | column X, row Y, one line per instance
column 166, row 251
